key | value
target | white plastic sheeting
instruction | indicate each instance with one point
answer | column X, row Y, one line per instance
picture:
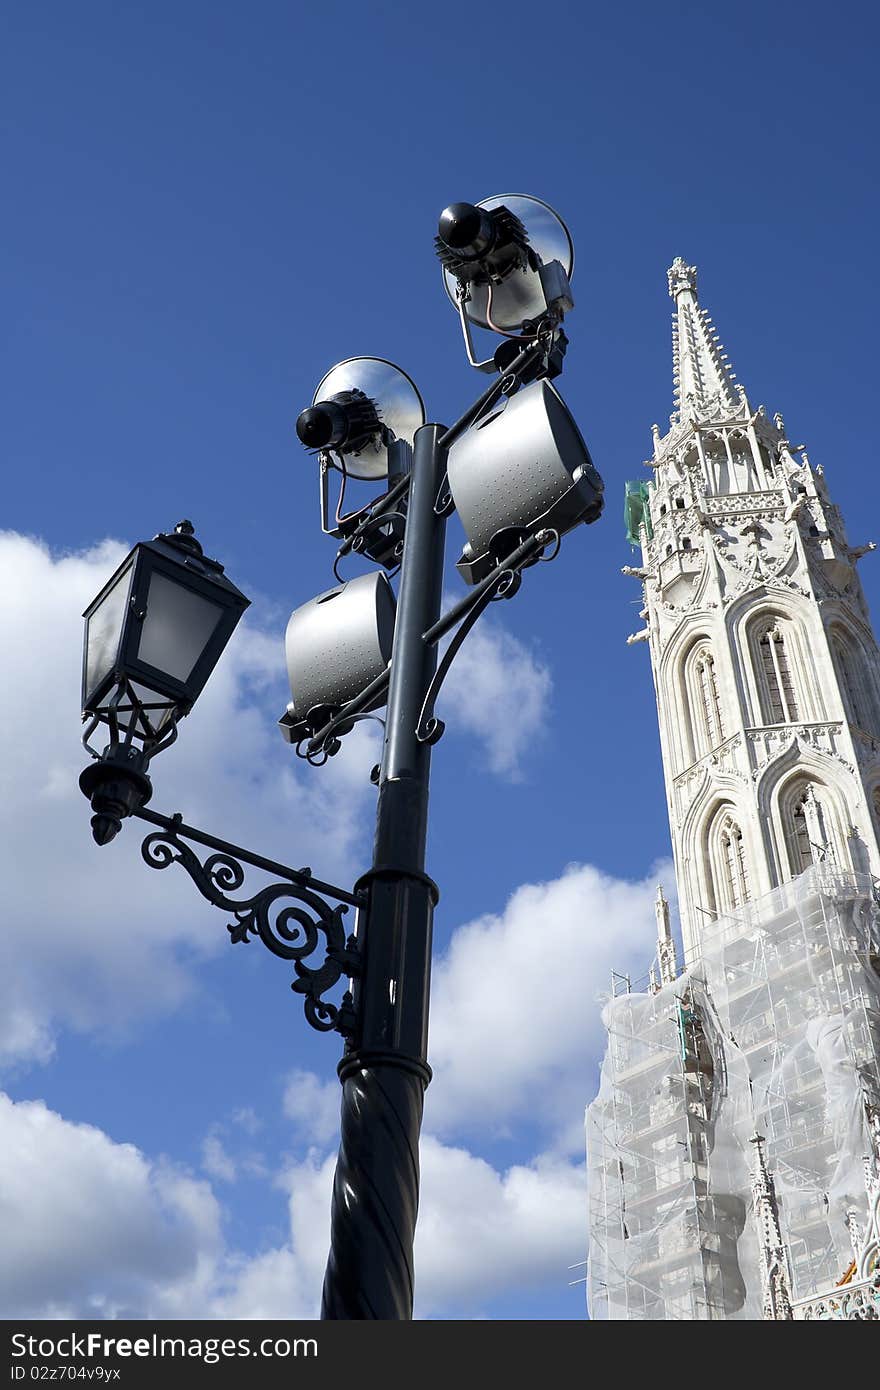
column 775, row 1030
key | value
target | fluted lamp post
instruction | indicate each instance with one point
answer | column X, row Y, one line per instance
column 518, row 472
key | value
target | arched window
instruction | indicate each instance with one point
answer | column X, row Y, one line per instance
column 808, row 827
column 733, row 864
column 711, row 705
column 729, row 886
column 703, row 700
column 718, row 463
column 779, row 703
column 801, row 842
column 853, row 685
column 743, row 463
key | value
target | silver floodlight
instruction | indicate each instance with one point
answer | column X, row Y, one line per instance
column 506, row 260
column 522, row 469
column 336, row 644
column 361, row 406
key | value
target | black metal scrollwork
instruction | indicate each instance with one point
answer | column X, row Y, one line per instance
column 292, row 932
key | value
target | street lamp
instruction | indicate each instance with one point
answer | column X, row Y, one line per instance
column 519, row 473
column 153, row 636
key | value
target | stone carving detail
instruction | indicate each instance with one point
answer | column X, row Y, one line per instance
column 857, row 552
column 676, row 612
column 758, row 568
column 851, row 1303
column 681, row 277
column 689, row 785
column 769, row 744
column 735, row 504
column 723, row 759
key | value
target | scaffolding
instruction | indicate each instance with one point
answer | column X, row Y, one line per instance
column 775, row 1030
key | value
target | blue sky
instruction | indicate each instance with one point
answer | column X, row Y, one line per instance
column 207, row 205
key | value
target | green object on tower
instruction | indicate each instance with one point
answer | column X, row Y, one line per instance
column 637, row 512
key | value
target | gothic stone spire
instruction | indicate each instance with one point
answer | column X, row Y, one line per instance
column 703, row 380
column 774, row 1256
column 665, row 944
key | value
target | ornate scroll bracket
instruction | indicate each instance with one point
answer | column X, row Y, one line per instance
column 290, row 918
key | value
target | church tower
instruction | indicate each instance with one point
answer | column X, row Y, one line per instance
column 733, row 1147
column 766, row 669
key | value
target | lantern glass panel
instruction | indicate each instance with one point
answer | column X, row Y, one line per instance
column 177, row 628
column 104, row 631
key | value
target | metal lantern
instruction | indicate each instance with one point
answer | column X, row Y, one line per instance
column 154, row 634
column 521, row 469
column 336, row 644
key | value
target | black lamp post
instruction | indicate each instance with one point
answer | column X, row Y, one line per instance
column 520, row 475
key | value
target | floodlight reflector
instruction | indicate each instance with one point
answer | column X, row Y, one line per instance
column 504, row 303
column 365, row 384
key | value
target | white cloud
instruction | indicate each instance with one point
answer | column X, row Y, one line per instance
column 216, row 1162
column 246, row 1118
column 275, row 1284
column 91, row 1226
column 483, row 1234
column 498, row 690
column 94, row 1228
column 515, row 1031
column 313, row 1105
column 228, row 1152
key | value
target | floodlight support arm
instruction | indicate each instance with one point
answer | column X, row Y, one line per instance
column 353, row 707
column 503, row 582
column 462, row 615
column 385, row 1070
column 507, row 381
column 489, row 364
column 378, row 509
